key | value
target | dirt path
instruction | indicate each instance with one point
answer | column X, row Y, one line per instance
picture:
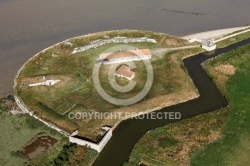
column 161, row 51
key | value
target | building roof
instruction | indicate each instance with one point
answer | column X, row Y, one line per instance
column 126, row 54
column 124, row 71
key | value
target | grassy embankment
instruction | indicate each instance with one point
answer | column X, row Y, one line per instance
column 228, row 127
column 76, row 91
column 234, row 39
column 233, row 147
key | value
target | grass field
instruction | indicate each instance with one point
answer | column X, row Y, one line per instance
column 175, row 142
column 75, row 92
column 16, row 131
column 232, row 40
column 220, row 137
column 233, row 147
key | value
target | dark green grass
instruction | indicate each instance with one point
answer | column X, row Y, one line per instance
column 233, row 147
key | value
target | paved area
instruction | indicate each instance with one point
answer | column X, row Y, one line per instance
column 214, row 34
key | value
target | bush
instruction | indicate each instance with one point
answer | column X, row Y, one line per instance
column 167, row 142
column 66, row 153
column 33, row 123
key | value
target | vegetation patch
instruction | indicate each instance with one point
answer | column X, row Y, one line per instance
column 173, row 143
column 233, row 40
column 16, row 131
column 73, row 154
column 232, row 148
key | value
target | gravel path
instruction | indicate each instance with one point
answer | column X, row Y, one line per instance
column 215, row 33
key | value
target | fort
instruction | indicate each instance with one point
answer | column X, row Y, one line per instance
column 73, row 65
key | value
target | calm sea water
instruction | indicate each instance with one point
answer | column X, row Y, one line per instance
column 28, row 26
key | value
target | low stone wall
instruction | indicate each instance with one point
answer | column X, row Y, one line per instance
column 26, row 110
column 22, row 105
column 81, row 142
column 96, row 146
column 99, row 43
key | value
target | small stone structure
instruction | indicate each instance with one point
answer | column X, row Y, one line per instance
column 67, row 43
column 46, row 83
column 96, row 146
column 205, row 44
column 98, row 43
column 208, row 45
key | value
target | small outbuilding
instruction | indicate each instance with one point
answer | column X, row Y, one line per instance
column 125, row 72
column 208, row 45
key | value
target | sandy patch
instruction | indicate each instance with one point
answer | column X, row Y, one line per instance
column 226, row 69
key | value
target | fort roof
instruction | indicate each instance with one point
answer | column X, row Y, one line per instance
column 126, row 54
column 124, row 71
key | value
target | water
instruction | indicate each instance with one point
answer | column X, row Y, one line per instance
column 28, row 26
column 128, row 132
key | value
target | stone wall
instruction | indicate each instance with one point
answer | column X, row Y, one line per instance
column 96, row 146
column 99, row 43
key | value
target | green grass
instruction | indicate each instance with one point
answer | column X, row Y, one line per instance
column 233, row 147
column 166, row 145
column 16, row 131
column 232, row 40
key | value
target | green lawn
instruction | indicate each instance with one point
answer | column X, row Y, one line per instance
column 233, row 147
column 16, row 131
column 232, row 40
